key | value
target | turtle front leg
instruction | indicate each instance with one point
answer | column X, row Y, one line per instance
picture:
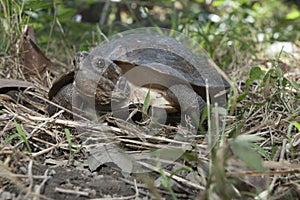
column 190, row 104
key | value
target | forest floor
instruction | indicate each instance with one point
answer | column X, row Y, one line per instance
column 255, row 156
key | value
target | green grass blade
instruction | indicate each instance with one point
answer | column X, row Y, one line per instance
column 146, row 106
column 22, row 135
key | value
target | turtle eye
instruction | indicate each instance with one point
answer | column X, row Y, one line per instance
column 81, row 56
column 100, row 63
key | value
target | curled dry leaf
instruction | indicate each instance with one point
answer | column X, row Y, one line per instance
column 35, row 61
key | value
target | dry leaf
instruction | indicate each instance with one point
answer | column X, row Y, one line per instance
column 112, row 154
column 36, row 62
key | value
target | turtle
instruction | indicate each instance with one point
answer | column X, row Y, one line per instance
column 126, row 70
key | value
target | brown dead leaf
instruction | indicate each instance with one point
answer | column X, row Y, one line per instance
column 112, row 154
column 36, row 63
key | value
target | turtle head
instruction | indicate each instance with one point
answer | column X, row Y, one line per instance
column 94, row 62
column 79, row 57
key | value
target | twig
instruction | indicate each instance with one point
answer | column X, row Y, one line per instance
column 45, row 122
column 44, row 151
column 30, row 179
column 38, row 188
column 76, row 192
column 175, row 177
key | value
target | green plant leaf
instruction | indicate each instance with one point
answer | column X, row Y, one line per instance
column 289, row 131
column 262, row 151
column 183, row 168
column 241, row 147
column 242, row 96
column 269, row 77
column 255, row 73
column 202, row 119
column 297, row 125
column 22, row 135
column 274, row 151
column 71, row 144
column 68, row 136
column 294, row 14
column 217, row 3
column 10, row 138
column 146, row 105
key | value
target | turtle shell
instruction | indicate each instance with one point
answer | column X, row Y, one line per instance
column 149, row 49
column 165, row 60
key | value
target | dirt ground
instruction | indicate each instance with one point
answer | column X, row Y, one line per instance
column 54, row 170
